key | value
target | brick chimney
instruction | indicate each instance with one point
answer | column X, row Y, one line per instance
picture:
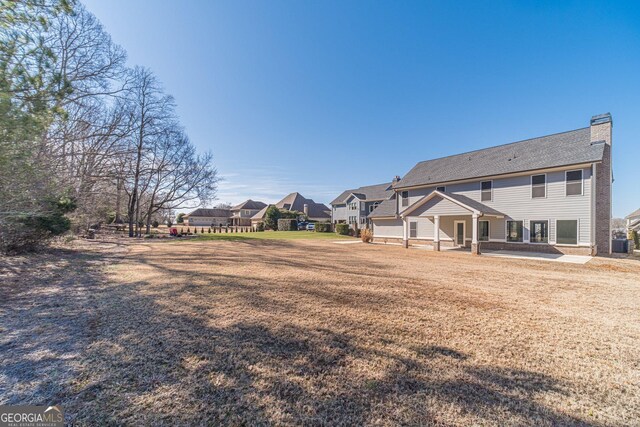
column 601, row 130
column 395, row 180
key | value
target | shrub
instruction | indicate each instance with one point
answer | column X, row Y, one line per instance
column 342, row 229
column 180, row 218
column 323, row 227
column 26, row 232
column 188, row 230
column 169, row 223
column 260, row 226
column 636, row 239
column 271, row 217
column 366, row 235
column 195, row 230
column 155, row 224
column 209, row 230
column 202, row 230
column 287, row 224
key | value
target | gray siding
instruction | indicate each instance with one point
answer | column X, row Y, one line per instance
column 440, row 206
column 387, row 228
column 339, row 213
column 342, row 212
column 512, row 196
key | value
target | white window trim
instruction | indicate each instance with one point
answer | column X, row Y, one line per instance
column 548, row 231
column 577, row 244
column 416, row 229
column 545, row 185
column 481, row 182
column 455, row 230
column 506, row 230
column 581, row 183
column 488, row 230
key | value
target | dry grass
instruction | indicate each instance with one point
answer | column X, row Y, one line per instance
column 311, row 332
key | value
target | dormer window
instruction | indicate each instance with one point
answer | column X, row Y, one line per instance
column 441, row 189
column 405, row 198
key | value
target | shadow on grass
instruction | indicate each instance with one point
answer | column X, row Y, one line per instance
column 128, row 356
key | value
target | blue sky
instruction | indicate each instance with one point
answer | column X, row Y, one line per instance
column 321, row 96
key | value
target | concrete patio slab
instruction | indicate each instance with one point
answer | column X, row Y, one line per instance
column 572, row 259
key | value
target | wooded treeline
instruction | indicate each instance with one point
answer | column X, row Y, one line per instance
column 84, row 138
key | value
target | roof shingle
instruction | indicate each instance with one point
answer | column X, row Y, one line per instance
column 368, row 192
column 561, row 149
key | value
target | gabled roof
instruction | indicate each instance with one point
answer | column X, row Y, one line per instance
column 635, row 225
column 633, row 214
column 260, row 213
column 385, row 209
column 249, row 204
column 210, row 213
column 296, row 202
column 369, row 192
column 472, row 205
column 561, row 149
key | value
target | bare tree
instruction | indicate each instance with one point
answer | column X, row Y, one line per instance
column 151, row 113
column 180, row 177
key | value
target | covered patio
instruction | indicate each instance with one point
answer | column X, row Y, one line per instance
column 451, row 215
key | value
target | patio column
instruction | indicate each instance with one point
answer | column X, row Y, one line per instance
column 405, row 233
column 475, row 249
column 436, row 233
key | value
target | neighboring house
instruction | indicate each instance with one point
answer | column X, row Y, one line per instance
column 242, row 213
column 208, row 218
column 633, row 220
column 297, row 202
column 354, row 206
column 550, row 194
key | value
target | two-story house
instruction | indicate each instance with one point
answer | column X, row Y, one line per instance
column 354, row 206
column 317, row 212
column 549, row 194
column 241, row 214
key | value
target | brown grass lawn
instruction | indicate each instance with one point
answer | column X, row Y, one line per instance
column 268, row 332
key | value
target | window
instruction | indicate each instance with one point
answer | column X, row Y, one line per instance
column 486, row 188
column 538, row 186
column 514, row 231
column 373, row 206
column 441, row 189
column 405, row 198
column 539, row 231
column 574, row 183
column 413, row 229
column 567, row 232
column 483, row 231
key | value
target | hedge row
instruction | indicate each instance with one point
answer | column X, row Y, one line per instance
column 342, row 229
column 287, row 224
column 323, row 227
